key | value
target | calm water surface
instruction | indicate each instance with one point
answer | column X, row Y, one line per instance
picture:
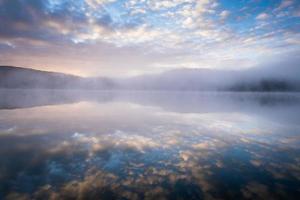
column 149, row 145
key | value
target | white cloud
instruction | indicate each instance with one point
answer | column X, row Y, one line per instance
column 96, row 3
column 138, row 11
column 224, row 14
column 188, row 23
column 262, row 16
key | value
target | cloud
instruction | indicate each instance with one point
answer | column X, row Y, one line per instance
column 224, row 14
column 262, row 16
column 285, row 4
column 147, row 33
column 98, row 3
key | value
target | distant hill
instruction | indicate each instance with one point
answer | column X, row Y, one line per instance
column 181, row 79
column 17, row 77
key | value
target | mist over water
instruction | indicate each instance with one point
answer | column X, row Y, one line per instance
column 149, row 145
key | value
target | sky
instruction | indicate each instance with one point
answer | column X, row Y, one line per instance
column 124, row 38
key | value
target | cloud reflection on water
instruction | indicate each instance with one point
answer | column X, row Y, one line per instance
column 125, row 150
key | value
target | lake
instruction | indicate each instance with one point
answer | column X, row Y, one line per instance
column 57, row 144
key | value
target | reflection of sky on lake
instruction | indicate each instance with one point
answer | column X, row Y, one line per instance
column 135, row 148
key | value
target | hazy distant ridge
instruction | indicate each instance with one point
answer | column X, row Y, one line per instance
column 16, row 77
